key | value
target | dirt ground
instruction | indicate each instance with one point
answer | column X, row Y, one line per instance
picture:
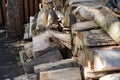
column 9, row 58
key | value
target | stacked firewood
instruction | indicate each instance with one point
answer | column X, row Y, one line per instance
column 69, row 35
column 96, row 39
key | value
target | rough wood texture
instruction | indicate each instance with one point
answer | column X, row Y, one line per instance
column 26, row 77
column 61, row 74
column 28, row 49
column 104, row 18
column 51, row 56
column 87, row 25
column 42, row 52
column 96, row 38
column 106, row 58
column 55, row 66
column 115, row 76
column 43, row 39
column 15, row 18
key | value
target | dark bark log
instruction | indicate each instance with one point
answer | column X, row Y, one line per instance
column 15, row 18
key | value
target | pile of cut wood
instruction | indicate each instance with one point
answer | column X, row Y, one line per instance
column 69, row 35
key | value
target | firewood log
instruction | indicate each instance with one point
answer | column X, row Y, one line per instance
column 96, row 38
column 115, row 76
column 104, row 18
column 87, row 25
column 106, row 59
column 51, row 56
column 61, row 74
column 55, row 65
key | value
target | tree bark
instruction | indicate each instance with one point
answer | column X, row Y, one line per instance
column 14, row 18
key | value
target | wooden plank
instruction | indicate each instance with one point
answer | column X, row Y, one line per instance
column 115, row 76
column 4, row 10
column 61, row 74
column 31, row 6
column 26, row 11
column 69, row 63
column 106, row 58
column 36, row 6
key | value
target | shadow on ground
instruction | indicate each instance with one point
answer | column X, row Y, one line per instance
column 9, row 57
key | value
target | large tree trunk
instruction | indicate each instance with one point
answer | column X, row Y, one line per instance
column 15, row 18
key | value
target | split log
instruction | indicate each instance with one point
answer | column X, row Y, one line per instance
column 100, row 73
column 104, row 18
column 61, row 74
column 42, row 52
column 106, row 59
column 51, row 56
column 55, row 66
column 115, row 76
column 40, row 40
column 43, row 39
column 81, row 26
column 28, row 49
column 15, row 18
column 23, row 56
column 26, row 77
column 96, row 38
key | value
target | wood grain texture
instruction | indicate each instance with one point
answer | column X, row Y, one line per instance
column 106, row 58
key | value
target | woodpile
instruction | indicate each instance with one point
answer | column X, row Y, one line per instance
column 64, row 39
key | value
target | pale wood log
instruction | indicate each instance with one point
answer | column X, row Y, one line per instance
column 21, row 53
column 26, row 32
column 61, row 74
column 96, row 38
column 87, row 25
column 55, row 66
column 91, row 74
column 40, row 40
column 28, row 49
column 106, row 58
column 30, row 28
column 26, row 77
column 104, row 18
column 115, row 76
column 51, row 56
column 43, row 39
